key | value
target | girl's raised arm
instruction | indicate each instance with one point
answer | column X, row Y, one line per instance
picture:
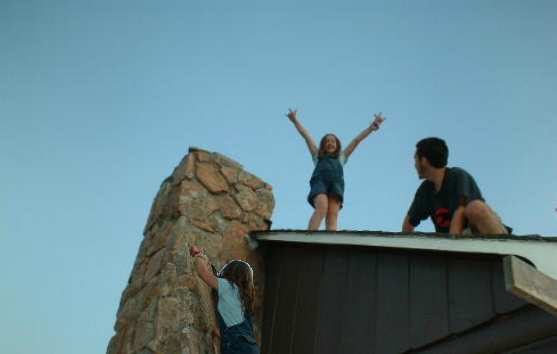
column 203, row 267
column 379, row 119
column 292, row 115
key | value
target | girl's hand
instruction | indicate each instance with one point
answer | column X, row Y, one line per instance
column 379, row 119
column 292, row 115
column 195, row 251
column 203, row 267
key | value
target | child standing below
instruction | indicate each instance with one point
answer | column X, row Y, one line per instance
column 327, row 181
column 234, row 285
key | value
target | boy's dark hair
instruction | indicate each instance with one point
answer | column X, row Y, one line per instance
column 322, row 152
column 240, row 274
column 435, row 150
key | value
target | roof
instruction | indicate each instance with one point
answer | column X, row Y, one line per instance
column 539, row 250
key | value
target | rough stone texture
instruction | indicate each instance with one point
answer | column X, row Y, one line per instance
column 246, row 197
column 210, row 201
column 211, row 178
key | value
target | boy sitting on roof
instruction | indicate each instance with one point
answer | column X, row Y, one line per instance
column 449, row 195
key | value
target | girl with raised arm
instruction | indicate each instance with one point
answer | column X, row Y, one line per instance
column 327, row 181
column 236, row 294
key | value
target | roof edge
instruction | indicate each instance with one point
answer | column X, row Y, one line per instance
column 539, row 252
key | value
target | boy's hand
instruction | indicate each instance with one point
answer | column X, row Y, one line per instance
column 379, row 119
column 292, row 115
column 195, row 251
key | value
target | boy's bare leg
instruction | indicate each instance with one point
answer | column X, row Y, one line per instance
column 481, row 217
column 320, row 202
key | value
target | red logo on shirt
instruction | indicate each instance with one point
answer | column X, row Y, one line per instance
column 442, row 217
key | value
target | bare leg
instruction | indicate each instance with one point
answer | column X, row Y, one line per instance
column 481, row 217
column 321, row 205
column 332, row 214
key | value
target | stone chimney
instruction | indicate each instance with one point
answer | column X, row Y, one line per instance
column 209, row 201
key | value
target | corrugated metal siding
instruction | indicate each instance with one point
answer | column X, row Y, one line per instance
column 344, row 299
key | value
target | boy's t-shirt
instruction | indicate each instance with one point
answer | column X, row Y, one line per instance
column 458, row 189
column 229, row 304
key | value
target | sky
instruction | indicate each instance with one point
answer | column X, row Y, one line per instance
column 99, row 101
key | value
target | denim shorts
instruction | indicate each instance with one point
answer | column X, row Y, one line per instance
column 318, row 186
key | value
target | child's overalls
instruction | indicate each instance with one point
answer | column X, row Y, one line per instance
column 327, row 178
column 237, row 339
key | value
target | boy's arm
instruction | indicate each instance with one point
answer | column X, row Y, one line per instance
column 406, row 226
column 416, row 212
column 292, row 115
column 379, row 119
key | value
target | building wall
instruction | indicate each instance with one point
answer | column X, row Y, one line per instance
column 349, row 299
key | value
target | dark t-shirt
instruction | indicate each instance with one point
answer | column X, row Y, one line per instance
column 458, row 189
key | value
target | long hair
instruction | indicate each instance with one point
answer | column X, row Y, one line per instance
column 323, row 153
column 241, row 274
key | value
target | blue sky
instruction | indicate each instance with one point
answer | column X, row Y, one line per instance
column 100, row 101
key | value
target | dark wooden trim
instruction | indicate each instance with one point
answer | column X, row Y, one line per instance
column 470, row 292
column 392, row 328
column 323, row 299
column 330, row 299
column 544, row 346
column 272, row 289
column 290, row 258
column 310, row 269
column 503, row 301
column 357, row 333
column 429, row 315
column 508, row 332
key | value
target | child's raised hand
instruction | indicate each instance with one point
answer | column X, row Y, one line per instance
column 379, row 119
column 292, row 114
column 195, row 251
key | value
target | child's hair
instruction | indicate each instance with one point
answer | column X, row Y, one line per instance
column 241, row 274
column 322, row 152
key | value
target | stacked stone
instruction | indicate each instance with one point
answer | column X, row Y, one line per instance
column 209, row 201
